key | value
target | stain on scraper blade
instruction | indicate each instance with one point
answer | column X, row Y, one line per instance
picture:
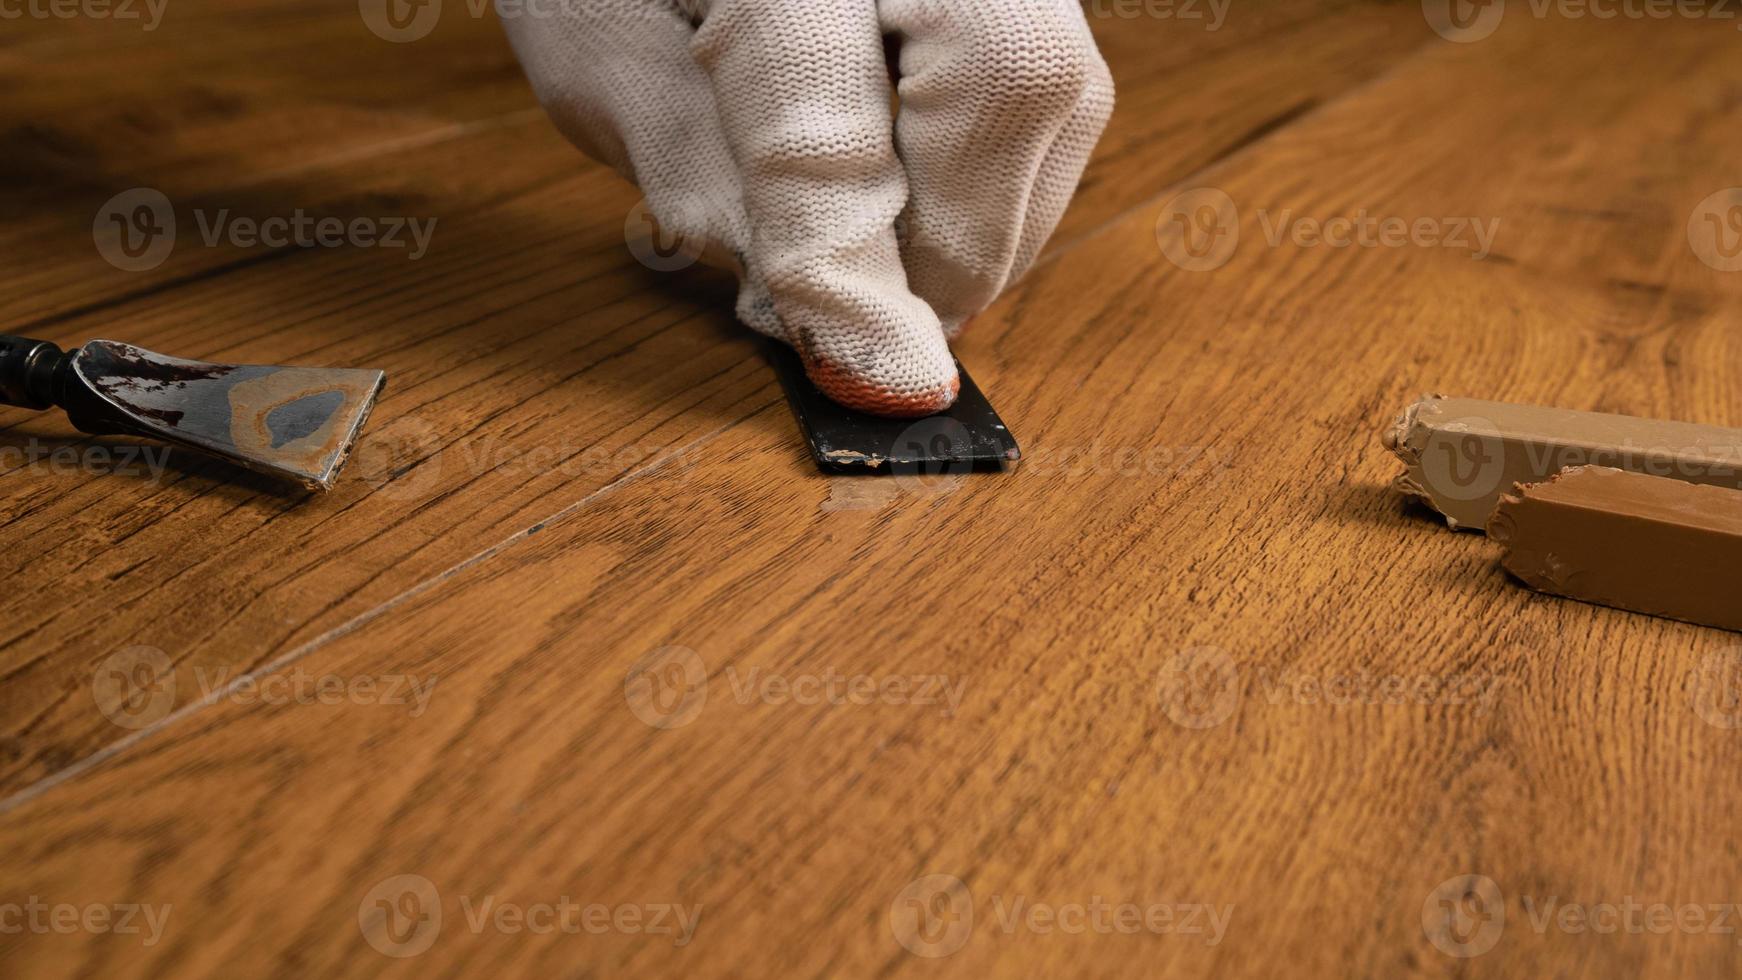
column 291, row 423
column 969, row 436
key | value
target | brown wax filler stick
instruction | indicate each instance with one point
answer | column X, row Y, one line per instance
column 1463, row 453
column 1650, row 544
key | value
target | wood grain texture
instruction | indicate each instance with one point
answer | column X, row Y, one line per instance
column 1165, row 639
column 216, row 107
column 532, row 360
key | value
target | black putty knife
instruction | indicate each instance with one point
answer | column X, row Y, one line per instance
column 969, row 436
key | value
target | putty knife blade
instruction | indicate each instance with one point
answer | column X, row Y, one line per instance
column 970, row 436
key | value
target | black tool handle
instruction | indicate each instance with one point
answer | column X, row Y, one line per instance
column 29, row 372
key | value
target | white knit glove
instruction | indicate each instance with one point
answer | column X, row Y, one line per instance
column 764, row 128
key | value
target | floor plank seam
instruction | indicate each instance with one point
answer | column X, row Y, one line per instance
column 91, row 762
column 441, row 134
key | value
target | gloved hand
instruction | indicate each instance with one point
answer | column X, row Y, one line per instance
column 764, row 128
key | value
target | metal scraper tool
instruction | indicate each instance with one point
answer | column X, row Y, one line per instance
column 293, row 423
column 969, row 436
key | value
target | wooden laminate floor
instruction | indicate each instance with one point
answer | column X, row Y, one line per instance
column 584, row 670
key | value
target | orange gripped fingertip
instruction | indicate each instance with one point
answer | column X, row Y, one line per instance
column 860, row 394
